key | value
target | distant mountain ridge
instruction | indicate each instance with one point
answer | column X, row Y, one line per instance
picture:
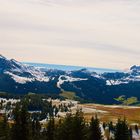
column 70, row 68
column 105, row 88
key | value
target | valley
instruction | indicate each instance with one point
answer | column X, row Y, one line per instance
column 43, row 109
column 83, row 85
column 104, row 112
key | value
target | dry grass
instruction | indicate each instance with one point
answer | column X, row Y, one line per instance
column 132, row 114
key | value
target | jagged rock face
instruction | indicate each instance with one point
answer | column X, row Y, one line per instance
column 18, row 78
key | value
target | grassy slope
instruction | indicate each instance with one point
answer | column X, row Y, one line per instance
column 68, row 95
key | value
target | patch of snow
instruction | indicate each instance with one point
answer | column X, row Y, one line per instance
column 23, row 80
column 62, row 114
column 121, row 106
column 20, row 68
column 97, row 76
column 131, row 77
column 116, row 82
column 136, row 136
column 108, row 83
column 43, row 121
column 18, row 79
column 138, row 77
column 66, row 102
column 5, row 101
column 34, row 111
column 68, row 79
column 53, row 78
column 92, row 110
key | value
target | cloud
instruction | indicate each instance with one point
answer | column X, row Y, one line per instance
column 102, row 33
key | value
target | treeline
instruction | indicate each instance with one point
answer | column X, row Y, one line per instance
column 72, row 127
column 22, row 96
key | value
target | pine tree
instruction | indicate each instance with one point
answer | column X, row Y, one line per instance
column 104, row 125
column 131, row 133
column 16, row 128
column 78, row 127
column 121, row 130
column 63, row 128
column 25, row 122
column 72, row 127
column 111, row 127
column 21, row 128
column 136, row 129
column 94, row 129
column 4, row 129
column 36, row 127
column 50, row 129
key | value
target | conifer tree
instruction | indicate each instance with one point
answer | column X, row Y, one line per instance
column 63, row 128
column 25, row 122
column 50, row 129
column 104, row 125
column 136, row 129
column 21, row 128
column 16, row 128
column 78, row 127
column 4, row 129
column 121, row 130
column 111, row 127
column 72, row 127
column 131, row 133
column 36, row 127
column 94, row 129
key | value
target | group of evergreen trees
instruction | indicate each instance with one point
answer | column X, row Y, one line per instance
column 72, row 127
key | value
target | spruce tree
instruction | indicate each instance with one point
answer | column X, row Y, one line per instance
column 131, row 133
column 4, row 129
column 104, row 125
column 36, row 127
column 78, row 127
column 111, row 127
column 25, row 122
column 21, row 128
column 50, row 129
column 16, row 128
column 72, row 127
column 136, row 129
column 94, row 129
column 121, row 130
column 64, row 128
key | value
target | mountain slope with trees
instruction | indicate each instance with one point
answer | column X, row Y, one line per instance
column 105, row 88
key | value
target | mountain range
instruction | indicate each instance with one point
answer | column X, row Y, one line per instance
column 105, row 88
column 69, row 67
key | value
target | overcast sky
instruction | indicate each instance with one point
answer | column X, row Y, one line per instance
column 98, row 33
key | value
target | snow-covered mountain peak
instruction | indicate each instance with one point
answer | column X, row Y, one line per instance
column 2, row 57
column 21, row 73
column 19, row 78
column 135, row 68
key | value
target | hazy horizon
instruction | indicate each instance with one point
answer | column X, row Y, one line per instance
column 89, row 33
column 71, row 67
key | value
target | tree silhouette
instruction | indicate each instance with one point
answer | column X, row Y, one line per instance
column 121, row 130
column 94, row 129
